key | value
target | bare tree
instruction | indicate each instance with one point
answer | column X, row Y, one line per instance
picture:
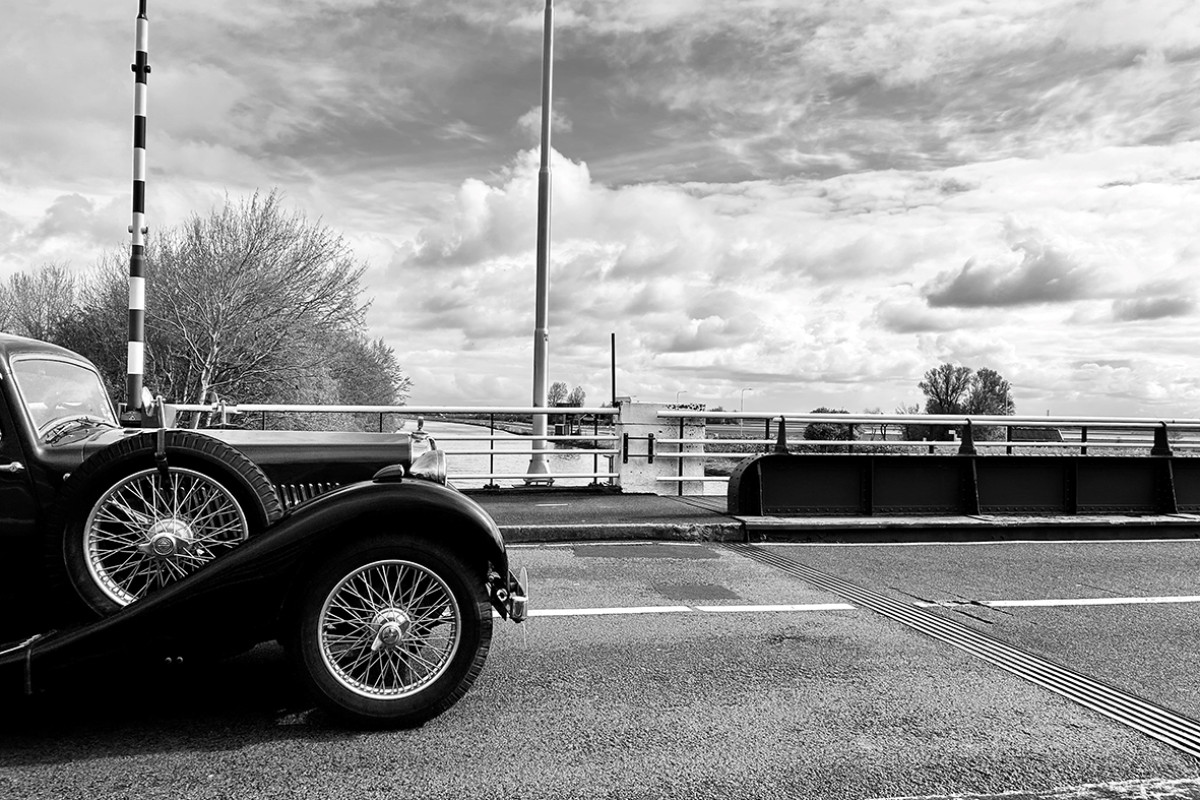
column 945, row 386
column 557, row 395
column 98, row 326
column 248, row 303
column 366, row 372
column 239, row 294
column 951, row 389
column 990, row 394
column 35, row 305
column 577, row 397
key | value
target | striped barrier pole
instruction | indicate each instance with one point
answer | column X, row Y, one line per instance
column 137, row 254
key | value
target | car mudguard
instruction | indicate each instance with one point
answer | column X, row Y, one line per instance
column 236, row 601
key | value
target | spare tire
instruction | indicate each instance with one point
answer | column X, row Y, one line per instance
column 133, row 522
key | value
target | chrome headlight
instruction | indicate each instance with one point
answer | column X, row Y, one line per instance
column 420, row 443
column 429, row 466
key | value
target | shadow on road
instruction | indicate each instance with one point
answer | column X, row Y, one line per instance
column 219, row 706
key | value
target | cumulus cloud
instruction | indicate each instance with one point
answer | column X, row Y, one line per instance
column 782, row 280
column 1044, row 273
column 70, row 215
column 1146, row 308
column 910, row 315
column 710, row 333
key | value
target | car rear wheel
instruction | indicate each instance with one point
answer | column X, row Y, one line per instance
column 134, row 524
column 392, row 633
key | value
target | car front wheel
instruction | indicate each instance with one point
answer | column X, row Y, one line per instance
column 392, row 632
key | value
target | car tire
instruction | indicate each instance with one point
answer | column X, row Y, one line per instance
column 391, row 632
column 131, row 524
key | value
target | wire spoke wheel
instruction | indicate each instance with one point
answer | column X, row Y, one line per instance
column 389, row 629
column 151, row 529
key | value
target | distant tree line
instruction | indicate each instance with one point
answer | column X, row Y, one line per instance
column 948, row 389
column 559, row 396
column 248, row 303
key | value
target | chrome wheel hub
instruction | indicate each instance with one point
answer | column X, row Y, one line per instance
column 392, row 626
column 168, row 537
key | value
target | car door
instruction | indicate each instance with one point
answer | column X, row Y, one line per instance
column 19, row 552
column 18, row 509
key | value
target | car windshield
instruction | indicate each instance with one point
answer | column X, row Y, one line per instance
column 57, row 392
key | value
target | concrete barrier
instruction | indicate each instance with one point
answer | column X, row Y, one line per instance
column 650, row 448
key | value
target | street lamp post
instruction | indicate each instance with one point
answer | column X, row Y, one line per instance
column 741, row 408
column 681, row 391
column 541, row 334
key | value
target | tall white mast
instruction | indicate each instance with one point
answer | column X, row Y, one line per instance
column 541, row 333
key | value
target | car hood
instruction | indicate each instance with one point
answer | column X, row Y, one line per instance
column 275, row 448
column 287, row 457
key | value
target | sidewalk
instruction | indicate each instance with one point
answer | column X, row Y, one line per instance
column 563, row 515
column 553, row 515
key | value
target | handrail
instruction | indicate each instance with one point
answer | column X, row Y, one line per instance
column 488, row 417
column 935, row 419
column 250, row 408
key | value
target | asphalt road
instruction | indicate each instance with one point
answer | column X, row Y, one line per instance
column 658, row 670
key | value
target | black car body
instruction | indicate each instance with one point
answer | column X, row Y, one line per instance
column 192, row 544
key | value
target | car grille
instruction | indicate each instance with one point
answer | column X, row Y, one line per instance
column 293, row 494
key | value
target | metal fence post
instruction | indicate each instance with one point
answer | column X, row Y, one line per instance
column 679, row 469
column 491, row 484
column 1162, row 445
column 595, row 447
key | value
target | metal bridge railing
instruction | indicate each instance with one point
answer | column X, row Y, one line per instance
column 739, row 435
column 719, row 440
column 508, row 427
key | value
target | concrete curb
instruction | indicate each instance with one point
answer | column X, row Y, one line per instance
column 625, row 531
column 881, row 530
column 860, row 531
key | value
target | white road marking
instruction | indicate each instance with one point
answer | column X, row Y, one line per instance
column 633, row 610
column 999, row 543
column 776, row 608
column 1151, row 789
column 772, row 545
column 600, row 542
column 598, row 612
column 807, row 607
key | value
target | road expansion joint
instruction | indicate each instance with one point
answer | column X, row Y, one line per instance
column 1158, row 722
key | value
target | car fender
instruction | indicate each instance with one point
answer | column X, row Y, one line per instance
column 235, row 601
column 412, row 506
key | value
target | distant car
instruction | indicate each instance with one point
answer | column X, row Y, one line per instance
column 350, row 548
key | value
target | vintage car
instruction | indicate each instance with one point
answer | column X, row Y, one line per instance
column 159, row 544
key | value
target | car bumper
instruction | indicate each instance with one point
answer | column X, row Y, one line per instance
column 510, row 595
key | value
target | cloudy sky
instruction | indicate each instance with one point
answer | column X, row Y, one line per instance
column 815, row 200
